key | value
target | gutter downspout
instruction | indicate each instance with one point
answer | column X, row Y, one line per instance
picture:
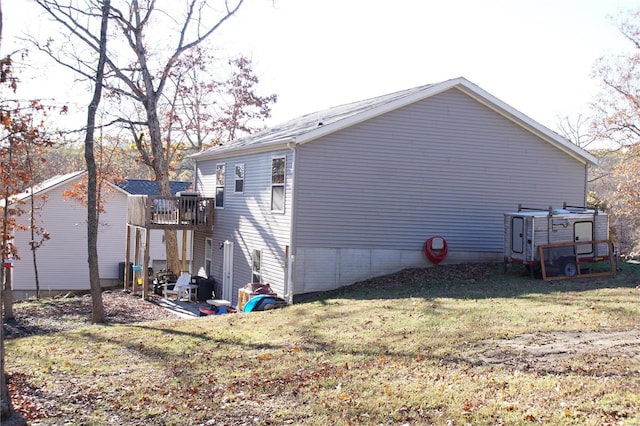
column 194, row 174
column 193, row 232
column 289, row 284
column 586, row 184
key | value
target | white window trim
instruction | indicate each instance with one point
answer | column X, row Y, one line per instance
column 209, row 242
column 283, row 185
column 223, row 186
column 236, row 179
column 253, row 272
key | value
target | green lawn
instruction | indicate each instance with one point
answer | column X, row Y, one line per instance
column 503, row 349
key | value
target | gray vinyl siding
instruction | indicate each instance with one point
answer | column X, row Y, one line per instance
column 247, row 220
column 368, row 196
column 445, row 166
column 198, row 250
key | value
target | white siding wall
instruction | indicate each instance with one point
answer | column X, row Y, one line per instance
column 62, row 260
column 247, row 220
column 370, row 195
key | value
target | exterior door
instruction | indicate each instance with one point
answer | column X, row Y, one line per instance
column 227, row 271
column 583, row 231
column 517, row 234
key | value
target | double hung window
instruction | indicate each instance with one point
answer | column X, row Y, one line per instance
column 277, row 184
column 220, row 178
column 256, row 266
column 239, row 178
column 208, row 255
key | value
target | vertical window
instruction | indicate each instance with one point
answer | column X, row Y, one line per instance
column 517, row 234
column 220, row 171
column 277, row 184
column 583, row 231
column 208, row 255
column 239, row 178
column 256, row 267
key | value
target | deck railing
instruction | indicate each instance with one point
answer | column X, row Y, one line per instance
column 184, row 212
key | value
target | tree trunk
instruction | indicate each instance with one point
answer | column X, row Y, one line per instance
column 32, row 223
column 7, row 298
column 34, row 258
column 6, row 408
column 7, row 412
column 97, row 308
column 161, row 169
column 136, row 76
column 171, row 248
column 5, row 284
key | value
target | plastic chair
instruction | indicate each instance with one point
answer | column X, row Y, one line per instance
column 181, row 289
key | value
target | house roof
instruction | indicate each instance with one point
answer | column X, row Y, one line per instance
column 45, row 186
column 321, row 123
column 150, row 187
column 129, row 186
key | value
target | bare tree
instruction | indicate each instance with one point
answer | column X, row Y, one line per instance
column 38, row 234
column 245, row 107
column 617, row 120
column 577, row 130
column 205, row 112
column 144, row 47
column 97, row 308
column 7, row 411
column 18, row 134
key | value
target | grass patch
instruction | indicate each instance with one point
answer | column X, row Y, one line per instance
column 403, row 349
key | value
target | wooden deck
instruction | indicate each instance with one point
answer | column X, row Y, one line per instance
column 179, row 213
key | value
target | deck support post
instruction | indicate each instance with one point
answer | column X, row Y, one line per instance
column 184, row 251
column 127, row 255
column 145, row 265
column 136, row 257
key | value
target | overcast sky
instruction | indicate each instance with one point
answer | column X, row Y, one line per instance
column 536, row 55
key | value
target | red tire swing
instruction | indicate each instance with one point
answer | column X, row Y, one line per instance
column 436, row 249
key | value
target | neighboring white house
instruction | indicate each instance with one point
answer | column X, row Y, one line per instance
column 352, row 192
column 62, row 260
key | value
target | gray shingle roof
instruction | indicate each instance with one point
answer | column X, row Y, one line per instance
column 150, row 187
column 321, row 123
column 131, row 186
column 309, row 122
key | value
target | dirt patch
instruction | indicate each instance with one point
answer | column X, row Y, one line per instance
column 445, row 273
column 470, row 272
column 601, row 353
column 52, row 315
